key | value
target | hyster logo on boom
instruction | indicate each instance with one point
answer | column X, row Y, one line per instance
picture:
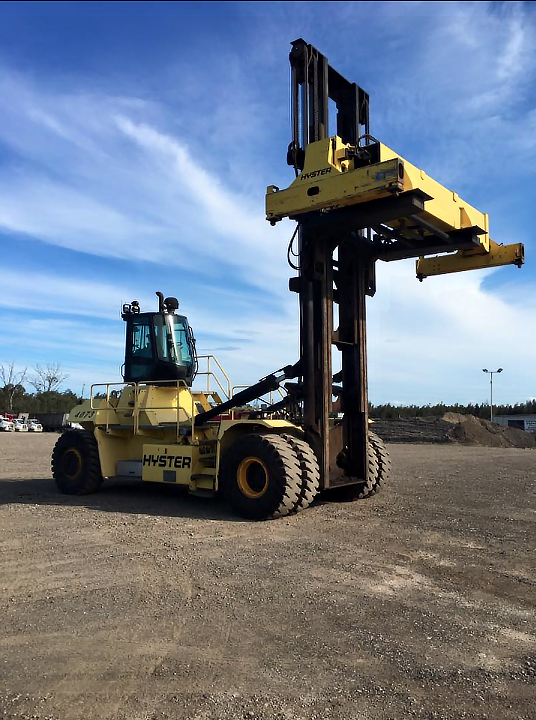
column 168, row 461
column 316, row 173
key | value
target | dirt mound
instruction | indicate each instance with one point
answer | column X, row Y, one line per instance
column 483, row 432
column 413, row 430
column 455, row 418
column 453, row 427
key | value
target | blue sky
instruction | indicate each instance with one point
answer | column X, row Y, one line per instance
column 137, row 141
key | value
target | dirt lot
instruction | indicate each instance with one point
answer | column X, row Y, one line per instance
column 142, row 602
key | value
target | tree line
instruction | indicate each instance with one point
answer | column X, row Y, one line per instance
column 480, row 410
column 46, row 381
column 47, row 397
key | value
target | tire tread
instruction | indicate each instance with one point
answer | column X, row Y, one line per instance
column 310, row 471
column 285, row 483
column 91, row 479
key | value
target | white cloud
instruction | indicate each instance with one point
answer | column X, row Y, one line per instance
column 119, row 177
column 429, row 340
column 48, row 292
column 228, row 217
column 126, row 188
column 461, row 96
column 434, row 338
column 250, row 344
column 512, row 62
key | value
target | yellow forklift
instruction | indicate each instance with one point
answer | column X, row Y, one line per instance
column 355, row 201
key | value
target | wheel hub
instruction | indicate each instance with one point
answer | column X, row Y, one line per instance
column 252, row 477
column 72, row 463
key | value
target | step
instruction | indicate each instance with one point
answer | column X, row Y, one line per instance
column 203, row 493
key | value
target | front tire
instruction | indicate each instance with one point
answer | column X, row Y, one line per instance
column 261, row 477
column 75, row 463
column 379, row 471
column 310, row 472
column 362, row 489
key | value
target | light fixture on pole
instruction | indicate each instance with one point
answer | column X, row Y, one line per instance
column 491, row 374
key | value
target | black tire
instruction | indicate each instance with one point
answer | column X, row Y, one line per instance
column 361, row 490
column 260, row 476
column 75, row 463
column 310, row 472
column 384, row 462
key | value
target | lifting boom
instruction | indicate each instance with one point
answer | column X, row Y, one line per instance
column 357, row 201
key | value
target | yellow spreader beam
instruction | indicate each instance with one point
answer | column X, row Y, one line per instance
column 496, row 256
column 334, row 176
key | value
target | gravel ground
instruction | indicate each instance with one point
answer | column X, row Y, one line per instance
column 142, row 602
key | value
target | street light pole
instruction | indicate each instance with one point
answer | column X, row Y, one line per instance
column 491, row 374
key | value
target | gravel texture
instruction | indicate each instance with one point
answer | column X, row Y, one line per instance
column 142, row 602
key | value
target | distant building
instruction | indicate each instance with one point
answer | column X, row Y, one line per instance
column 522, row 422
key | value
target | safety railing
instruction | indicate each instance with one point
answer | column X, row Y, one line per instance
column 212, row 371
column 108, row 409
column 137, row 410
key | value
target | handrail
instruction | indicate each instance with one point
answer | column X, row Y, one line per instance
column 136, row 410
column 224, row 382
column 220, row 379
column 108, row 409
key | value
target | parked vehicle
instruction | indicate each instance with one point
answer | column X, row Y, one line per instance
column 20, row 425
column 53, row 422
column 34, row 425
column 6, row 425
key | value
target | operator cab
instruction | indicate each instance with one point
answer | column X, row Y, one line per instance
column 159, row 345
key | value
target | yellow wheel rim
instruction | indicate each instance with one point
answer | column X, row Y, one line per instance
column 72, row 463
column 252, row 477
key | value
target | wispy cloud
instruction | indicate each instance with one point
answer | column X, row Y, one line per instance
column 176, row 193
column 464, row 87
column 50, row 293
column 125, row 187
column 434, row 338
column 79, row 320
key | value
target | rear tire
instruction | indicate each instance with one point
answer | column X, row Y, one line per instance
column 361, row 490
column 261, row 477
column 75, row 463
column 310, row 472
column 384, row 462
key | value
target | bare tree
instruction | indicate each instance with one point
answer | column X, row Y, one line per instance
column 11, row 382
column 47, row 379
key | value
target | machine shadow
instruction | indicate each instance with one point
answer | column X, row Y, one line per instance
column 123, row 496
